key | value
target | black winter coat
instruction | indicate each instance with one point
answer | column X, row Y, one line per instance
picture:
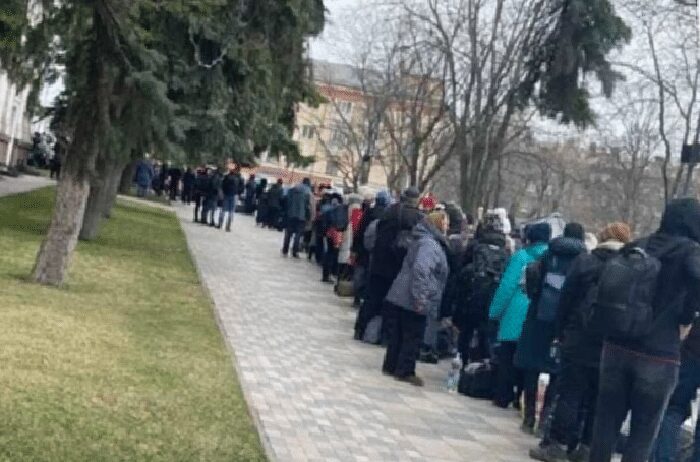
column 386, row 263
column 358, row 242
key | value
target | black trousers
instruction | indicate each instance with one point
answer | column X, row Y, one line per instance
column 633, row 382
column 186, row 195
column 330, row 260
column 406, row 329
column 173, row 191
column 508, row 377
column 198, row 206
column 373, row 305
column 473, row 325
column 578, row 391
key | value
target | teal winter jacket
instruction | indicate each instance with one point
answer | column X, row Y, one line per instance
column 509, row 305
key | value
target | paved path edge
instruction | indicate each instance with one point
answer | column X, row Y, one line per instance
column 255, row 416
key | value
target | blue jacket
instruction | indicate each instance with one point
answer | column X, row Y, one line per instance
column 421, row 282
column 509, row 305
column 144, row 174
column 299, row 202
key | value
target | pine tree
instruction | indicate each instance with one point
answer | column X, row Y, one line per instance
column 197, row 78
column 574, row 41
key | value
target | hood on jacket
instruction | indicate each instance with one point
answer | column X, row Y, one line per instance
column 382, row 199
column 456, row 218
column 426, row 228
column 682, row 218
column 567, row 246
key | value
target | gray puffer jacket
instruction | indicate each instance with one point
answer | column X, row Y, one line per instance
column 421, row 282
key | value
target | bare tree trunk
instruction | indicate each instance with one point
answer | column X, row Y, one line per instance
column 127, row 177
column 99, row 202
column 113, row 188
column 91, row 123
column 55, row 253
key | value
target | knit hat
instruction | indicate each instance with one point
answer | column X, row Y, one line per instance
column 410, row 196
column 382, row 198
column 538, row 232
column 620, row 232
column 428, row 203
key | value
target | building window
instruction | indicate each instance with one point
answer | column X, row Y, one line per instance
column 307, row 131
column 337, row 138
column 345, row 107
column 331, row 167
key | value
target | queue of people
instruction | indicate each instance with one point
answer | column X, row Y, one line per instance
column 604, row 318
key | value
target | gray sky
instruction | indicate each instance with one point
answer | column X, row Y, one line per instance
column 326, row 46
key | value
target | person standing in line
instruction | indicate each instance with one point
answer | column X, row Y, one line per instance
column 332, row 234
column 261, row 215
column 218, row 196
column 414, row 295
column 680, row 405
column 250, row 188
column 509, row 307
column 200, row 194
column 639, row 373
column 363, row 255
column 274, row 204
column 484, row 262
column 298, row 211
column 534, row 353
column 175, row 175
column 144, row 177
column 577, row 385
column 188, row 180
column 390, row 247
column 231, row 187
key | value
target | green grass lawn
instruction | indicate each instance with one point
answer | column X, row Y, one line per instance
column 126, row 363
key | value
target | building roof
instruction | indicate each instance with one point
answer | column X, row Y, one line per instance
column 325, row 72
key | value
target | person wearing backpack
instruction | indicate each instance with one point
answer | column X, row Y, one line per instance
column 577, row 384
column 362, row 248
column 533, row 355
column 647, row 297
column 414, row 295
column 484, row 262
column 231, row 186
column 509, row 307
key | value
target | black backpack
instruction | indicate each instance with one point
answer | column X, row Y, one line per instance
column 339, row 217
column 550, row 291
column 623, row 300
column 482, row 277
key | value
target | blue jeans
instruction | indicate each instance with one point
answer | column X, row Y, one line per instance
column 230, row 208
column 667, row 444
column 630, row 381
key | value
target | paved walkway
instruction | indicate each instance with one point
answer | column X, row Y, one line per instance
column 317, row 395
column 24, row 183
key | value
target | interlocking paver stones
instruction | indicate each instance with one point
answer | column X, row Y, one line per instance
column 315, row 393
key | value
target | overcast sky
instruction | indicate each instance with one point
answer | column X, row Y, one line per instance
column 326, row 46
